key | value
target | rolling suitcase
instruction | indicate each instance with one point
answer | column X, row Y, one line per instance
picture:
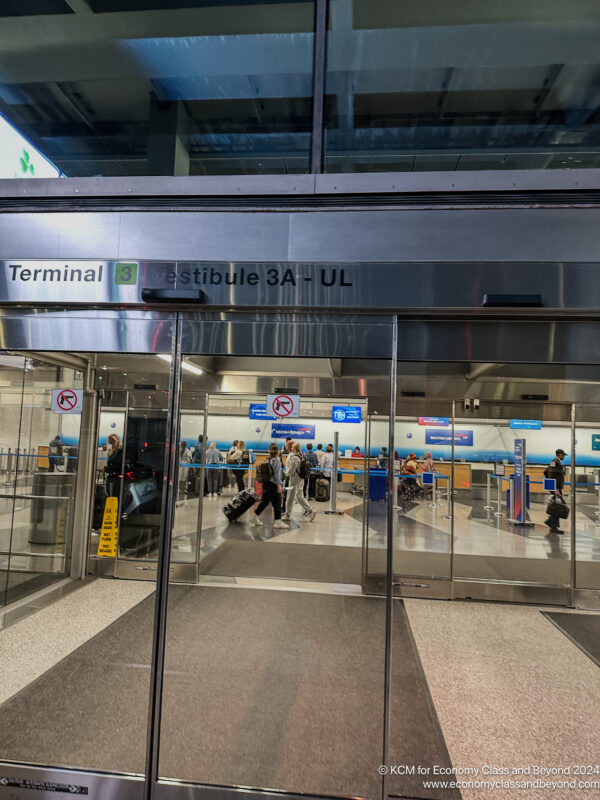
column 322, row 490
column 240, row 504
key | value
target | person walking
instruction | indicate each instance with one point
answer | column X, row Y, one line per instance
column 285, row 453
column 270, row 475
column 213, row 462
column 293, row 472
column 556, row 470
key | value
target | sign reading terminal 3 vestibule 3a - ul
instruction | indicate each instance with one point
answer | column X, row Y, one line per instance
column 255, row 284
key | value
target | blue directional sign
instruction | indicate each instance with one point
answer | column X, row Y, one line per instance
column 259, row 411
column 346, row 414
column 526, row 424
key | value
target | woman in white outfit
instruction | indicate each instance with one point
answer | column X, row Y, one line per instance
column 292, row 473
column 326, row 464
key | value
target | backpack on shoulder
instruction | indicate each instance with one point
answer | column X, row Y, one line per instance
column 263, row 472
column 304, row 468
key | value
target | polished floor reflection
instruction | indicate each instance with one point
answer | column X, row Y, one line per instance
column 329, row 548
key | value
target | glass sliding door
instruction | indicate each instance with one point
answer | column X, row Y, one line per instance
column 587, row 494
column 423, row 480
column 40, row 464
column 501, row 530
column 261, row 667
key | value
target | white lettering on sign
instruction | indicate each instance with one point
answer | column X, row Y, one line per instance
column 67, row 401
column 283, row 405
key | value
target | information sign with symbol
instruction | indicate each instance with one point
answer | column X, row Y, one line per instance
column 283, row 405
column 346, row 414
column 67, row 401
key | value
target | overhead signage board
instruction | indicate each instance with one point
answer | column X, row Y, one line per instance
column 526, row 424
column 283, row 406
column 346, row 414
column 259, row 411
column 295, row 430
column 67, row 401
column 215, row 284
column 595, row 441
column 433, row 422
column 461, row 438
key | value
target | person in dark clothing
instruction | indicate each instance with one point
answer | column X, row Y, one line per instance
column 114, row 465
column 272, row 490
column 55, row 452
column 309, row 483
column 556, row 470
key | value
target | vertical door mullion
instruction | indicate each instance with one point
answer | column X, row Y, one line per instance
column 201, row 487
column 122, row 481
column 389, row 575
column 365, row 508
column 162, row 570
column 451, row 504
column 319, row 60
column 573, row 509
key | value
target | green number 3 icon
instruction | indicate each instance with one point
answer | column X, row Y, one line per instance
column 126, row 274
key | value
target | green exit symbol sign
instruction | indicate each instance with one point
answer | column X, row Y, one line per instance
column 126, row 273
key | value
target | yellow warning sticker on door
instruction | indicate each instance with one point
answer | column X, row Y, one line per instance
column 107, row 546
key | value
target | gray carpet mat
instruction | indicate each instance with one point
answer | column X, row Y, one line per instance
column 308, row 562
column 582, row 629
column 262, row 688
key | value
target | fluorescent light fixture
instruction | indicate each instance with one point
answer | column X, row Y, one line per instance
column 186, row 365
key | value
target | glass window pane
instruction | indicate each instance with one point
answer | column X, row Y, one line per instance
column 264, row 644
column 430, row 85
column 41, row 477
column 82, row 699
column 495, row 539
column 587, row 519
column 422, row 491
column 164, row 88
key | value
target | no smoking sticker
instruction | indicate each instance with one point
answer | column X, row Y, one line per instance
column 67, row 401
column 283, row 405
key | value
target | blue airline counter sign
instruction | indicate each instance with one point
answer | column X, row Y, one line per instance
column 296, row 430
column 526, row 424
column 461, row 438
column 259, row 411
column 346, row 414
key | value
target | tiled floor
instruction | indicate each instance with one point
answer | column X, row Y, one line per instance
column 510, row 691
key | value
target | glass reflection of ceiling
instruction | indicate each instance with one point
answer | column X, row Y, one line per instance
column 115, row 87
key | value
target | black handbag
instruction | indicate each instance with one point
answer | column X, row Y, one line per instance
column 557, row 508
